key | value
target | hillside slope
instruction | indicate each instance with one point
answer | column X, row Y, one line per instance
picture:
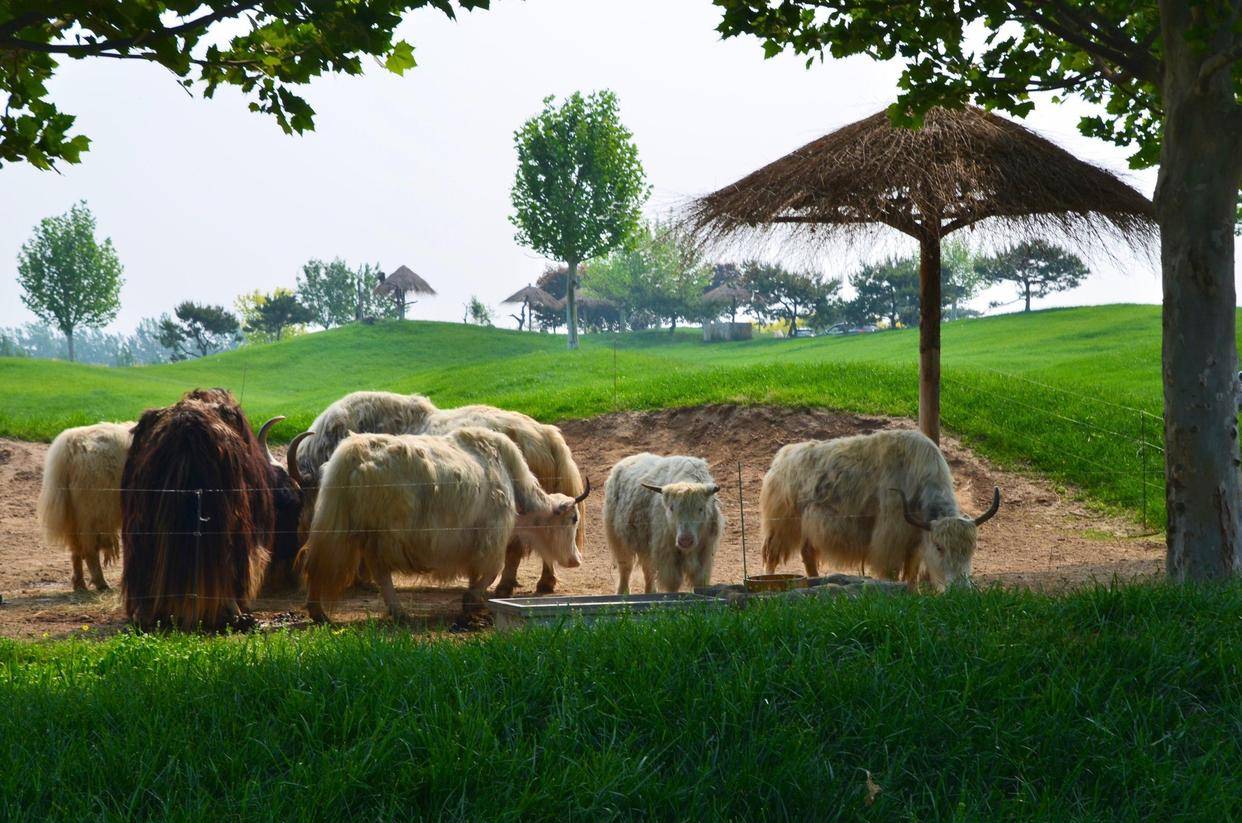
column 1069, row 392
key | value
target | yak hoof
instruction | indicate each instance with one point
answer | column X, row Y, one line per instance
column 316, row 613
column 101, row 586
column 504, row 589
column 545, row 586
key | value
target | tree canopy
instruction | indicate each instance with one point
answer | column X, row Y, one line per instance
column 264, row 48
column 198, row 330
column 579, row 186
column 1037, row 267
column 68, row 278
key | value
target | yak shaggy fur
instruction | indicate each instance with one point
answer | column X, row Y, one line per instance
column 644, row 525
column 441, row 506
column 182, row 570
column 838, row 501
column 542, row 446
column 80, row 502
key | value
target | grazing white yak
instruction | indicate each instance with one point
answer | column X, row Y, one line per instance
column 443, row 506
column 884, row 499
column 80, row 502
column 662, row 512
column 542, row 446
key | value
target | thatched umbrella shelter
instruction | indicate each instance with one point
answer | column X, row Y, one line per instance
column 530, row 296
column 961, row 168
column 729, row 295
column 401, row 282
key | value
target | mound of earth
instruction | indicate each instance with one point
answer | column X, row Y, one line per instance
column 1040, row 538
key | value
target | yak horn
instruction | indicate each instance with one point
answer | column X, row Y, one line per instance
column 263, row 430
column 713, row 489
column 585, row 492
column 991, row 512
column 291, row 458
column 911, row 518
column 650, row 487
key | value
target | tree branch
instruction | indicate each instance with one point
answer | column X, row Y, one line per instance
column 1140, row 67
column 104, row 47
column 1220, row 60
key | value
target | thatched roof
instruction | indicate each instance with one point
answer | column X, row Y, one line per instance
column 533, row 295
column 404, row 280
column 962, row 167
column 726, row 294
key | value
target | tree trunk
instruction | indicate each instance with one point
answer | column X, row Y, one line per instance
column 1196, row 198
column 69, row 342
column 571, row 302
column 1028, row 296
column 929, row 332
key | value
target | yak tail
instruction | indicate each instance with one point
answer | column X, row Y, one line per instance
column 569, row 480
column 55, row 508
column 329, row 559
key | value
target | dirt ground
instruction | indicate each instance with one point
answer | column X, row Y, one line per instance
column 1039, row 539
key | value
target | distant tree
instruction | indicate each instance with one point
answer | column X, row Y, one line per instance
column 886, row 291
column 579, row 186
column 478, row 313
column 198, row 330
column 145, row 345
column 69, row 279
column 659, row 275
column 330, row 291
column 277, row 313
column 777, row 292
column 367, row 302
column 9, row 345
column 959, row 279
column 264, row 49
column 1037, row 268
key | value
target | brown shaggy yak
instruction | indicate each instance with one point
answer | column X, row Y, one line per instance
column 197, row 515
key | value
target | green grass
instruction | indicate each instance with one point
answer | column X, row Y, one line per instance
column 1103, row 704
column 1070, row 393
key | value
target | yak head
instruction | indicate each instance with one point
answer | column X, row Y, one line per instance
column 549, row 527
column 952, row 540
column 289, row 497
column 692, row 511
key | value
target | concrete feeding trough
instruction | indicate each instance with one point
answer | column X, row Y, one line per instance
column 775, row 582
column 515, row 612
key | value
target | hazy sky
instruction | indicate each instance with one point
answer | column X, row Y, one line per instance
column 205, row 200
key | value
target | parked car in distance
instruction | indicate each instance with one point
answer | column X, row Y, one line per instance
column 803, row 333
column 850, row 328
column 866, row 328
column 839, row 328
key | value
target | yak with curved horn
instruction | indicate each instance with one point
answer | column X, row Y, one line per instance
column 882, row 500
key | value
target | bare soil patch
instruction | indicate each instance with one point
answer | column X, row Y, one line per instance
column 1040, row 539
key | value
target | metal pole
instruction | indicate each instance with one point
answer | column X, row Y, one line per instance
column 741, row 510
column 614, row 374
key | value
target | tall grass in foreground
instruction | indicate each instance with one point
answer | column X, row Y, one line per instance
column 1121, row 703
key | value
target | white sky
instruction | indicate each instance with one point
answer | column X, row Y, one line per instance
column 205, row 200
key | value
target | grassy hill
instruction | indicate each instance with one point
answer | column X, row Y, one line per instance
column 1059, row 390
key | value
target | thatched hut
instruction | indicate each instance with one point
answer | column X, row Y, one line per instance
column 530, row 296
column 963, row 167
column 401, row 282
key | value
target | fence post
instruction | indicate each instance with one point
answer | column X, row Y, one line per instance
column 741, row 511
column 198, row 554
column 1143, row 455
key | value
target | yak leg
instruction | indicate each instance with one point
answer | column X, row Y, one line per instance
column 508, row 575
column 97, row 577
column 389, row 592
column 910, row 573
column 79, row 582
column 810, row 559
column 547, row 580
column 649, row 575
column 625, row 568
